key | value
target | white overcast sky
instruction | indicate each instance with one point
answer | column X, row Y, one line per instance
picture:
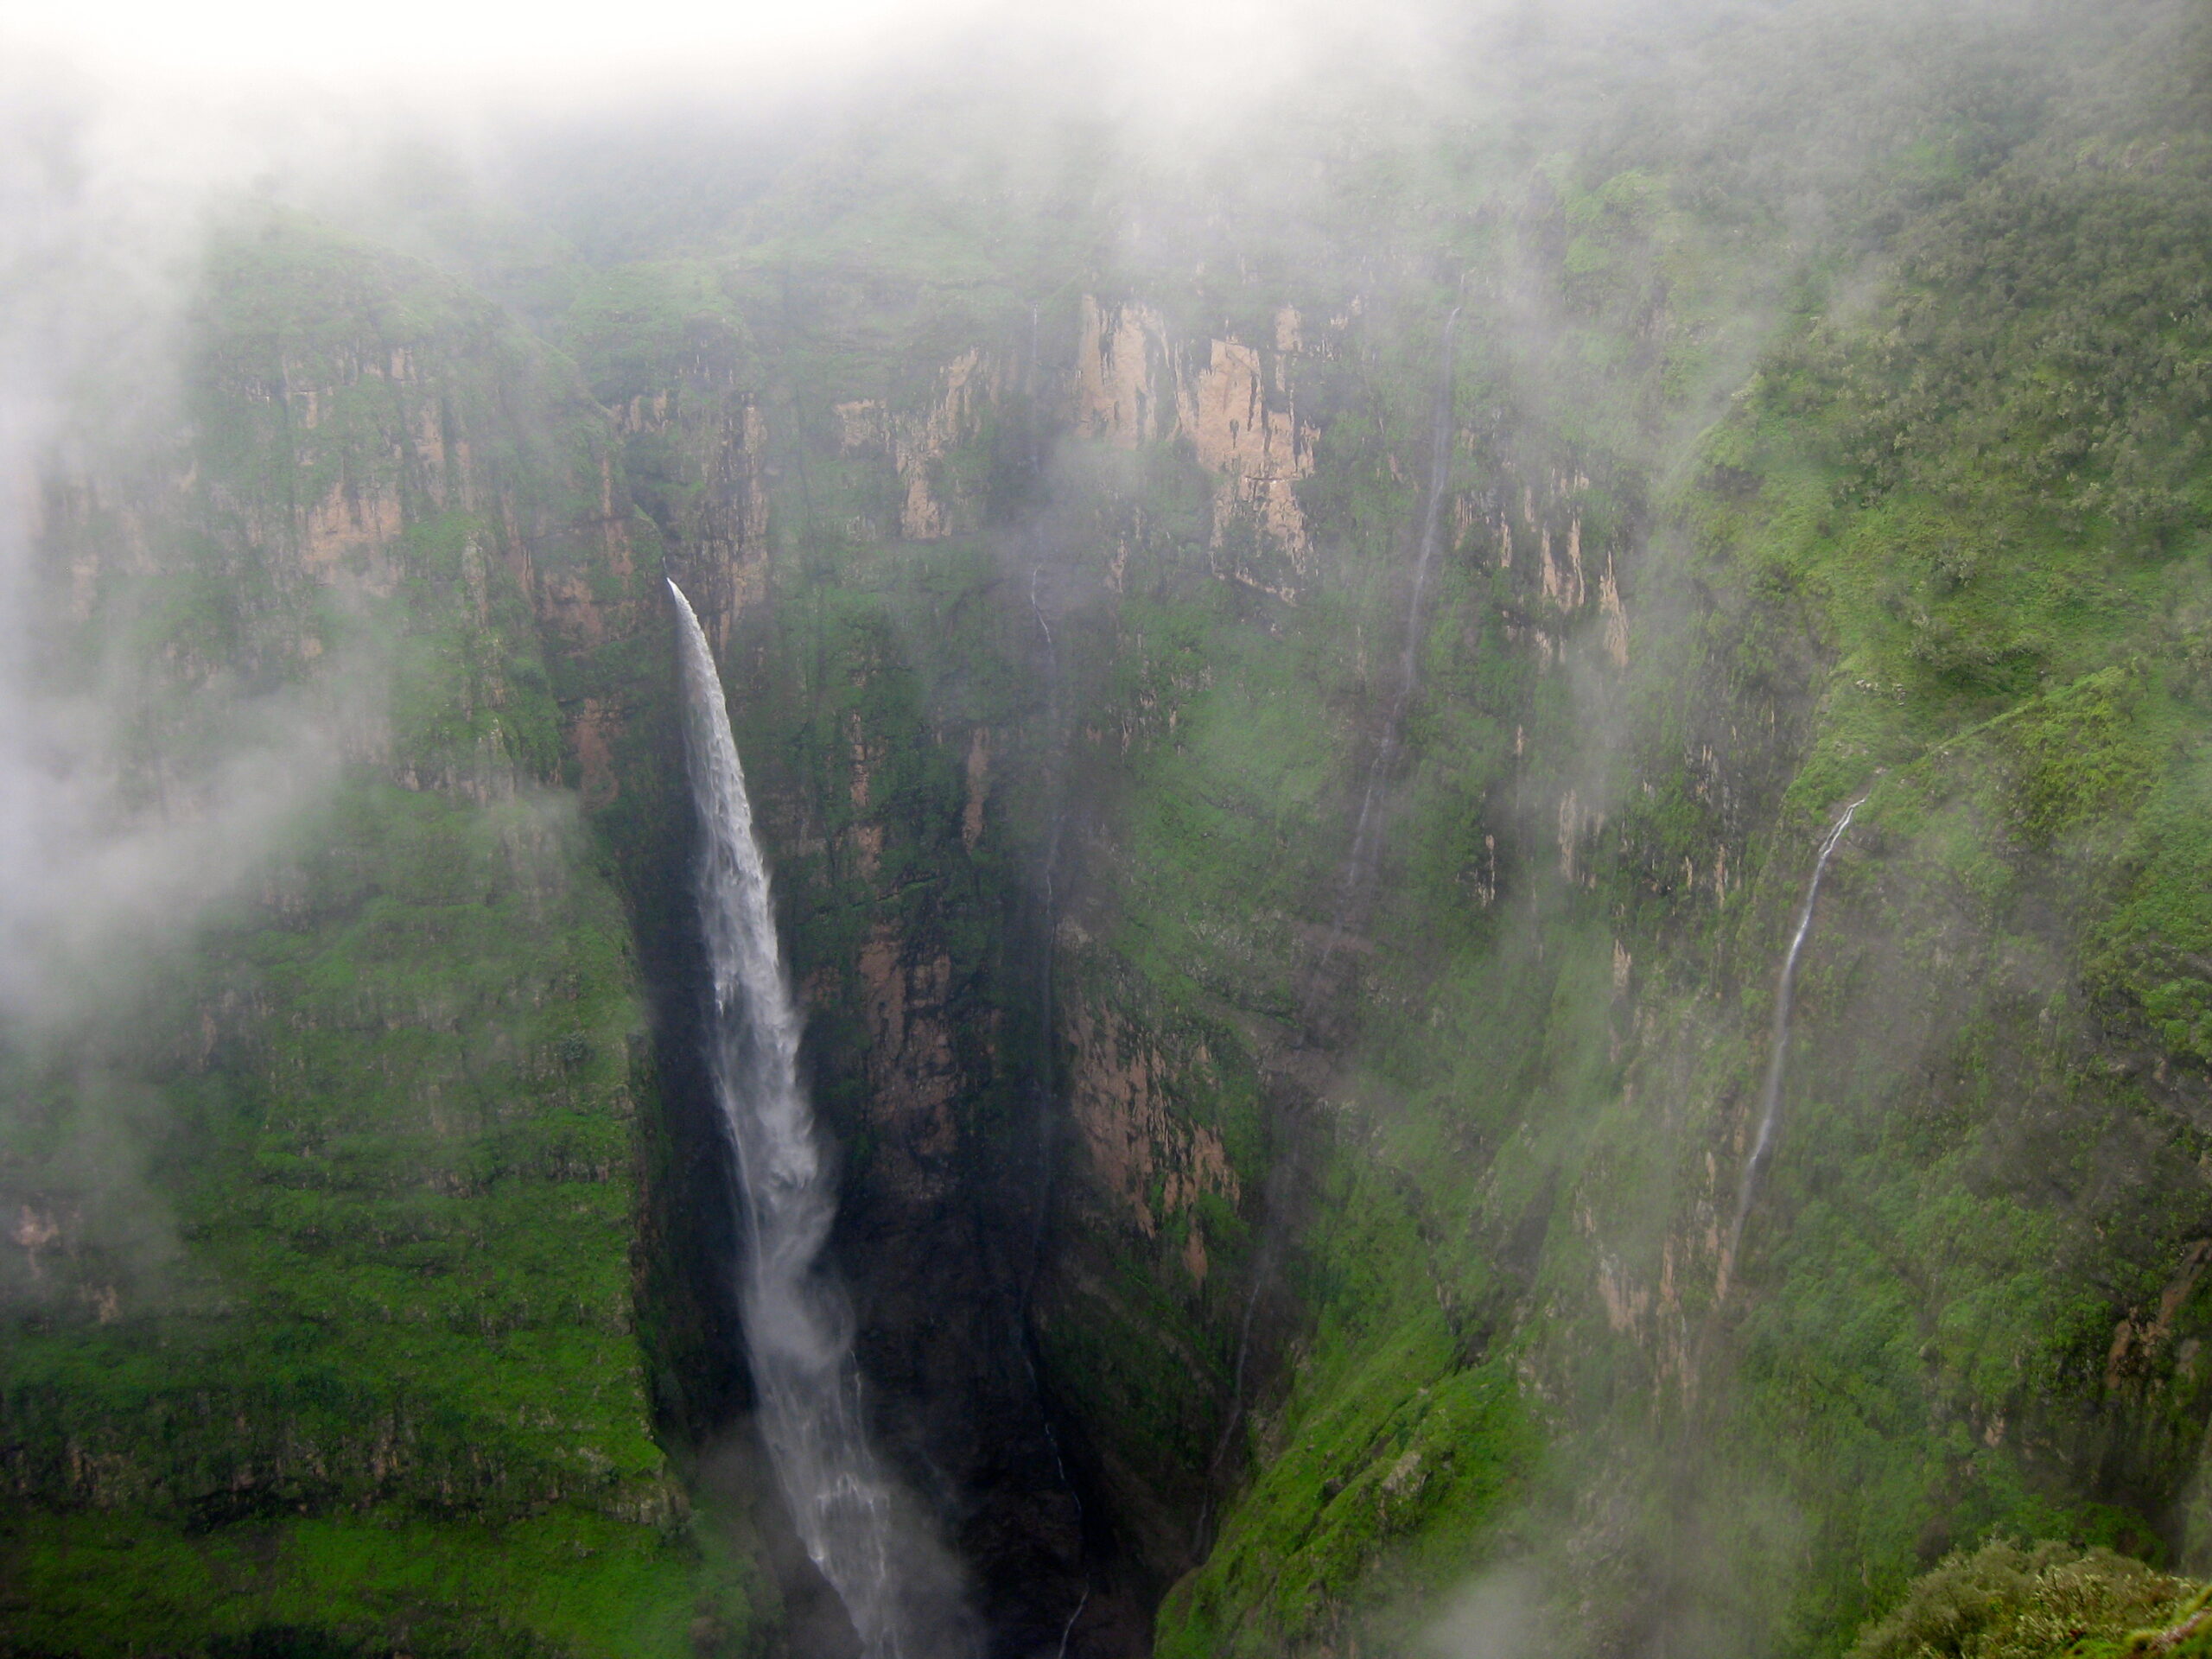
column 327, row 63
column 324, row 41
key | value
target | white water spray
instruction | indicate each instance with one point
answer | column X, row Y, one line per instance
column 797, row 1327
column 1778, row 1044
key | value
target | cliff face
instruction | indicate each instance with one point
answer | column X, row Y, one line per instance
column 1391, row 1233
column 366, row 1360
column 1292, row 995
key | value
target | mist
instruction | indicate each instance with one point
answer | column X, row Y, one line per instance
column 1275, row 568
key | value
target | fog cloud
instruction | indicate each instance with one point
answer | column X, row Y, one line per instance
column 101, row 854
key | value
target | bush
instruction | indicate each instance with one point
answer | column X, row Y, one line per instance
column 2013, row 1601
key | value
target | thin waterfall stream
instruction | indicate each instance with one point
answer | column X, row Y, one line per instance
column 798, row 1328
column 1778, row 1046
column 1365, row 856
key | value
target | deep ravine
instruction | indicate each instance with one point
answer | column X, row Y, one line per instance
column 798, row 1328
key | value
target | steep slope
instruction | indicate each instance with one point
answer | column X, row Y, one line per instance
column 1449, row 1149
column 1391, row 1189
column 1965, row 1296
column 360, row 1364
column 1294, row 708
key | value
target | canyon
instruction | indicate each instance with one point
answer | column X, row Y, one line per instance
column 1297, row 688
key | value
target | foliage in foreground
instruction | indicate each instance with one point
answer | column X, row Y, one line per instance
column 2008, row 1600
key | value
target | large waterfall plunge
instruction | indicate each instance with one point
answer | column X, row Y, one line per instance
column 797, row 1327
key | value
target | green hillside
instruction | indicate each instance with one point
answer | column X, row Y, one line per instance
column 1295, row 661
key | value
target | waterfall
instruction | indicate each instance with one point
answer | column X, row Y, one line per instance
column 1364, row 858
column 1778, row 1044
column 1366, row 853
column 797, row 1327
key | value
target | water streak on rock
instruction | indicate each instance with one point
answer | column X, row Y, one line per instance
column 1362, row 862
column 1778, row 1044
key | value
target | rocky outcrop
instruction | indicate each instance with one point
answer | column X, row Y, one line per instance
column 915, row 1083
column 1143, row 1164
column 1123, row 362
column 935, row 500
column 1133, row 386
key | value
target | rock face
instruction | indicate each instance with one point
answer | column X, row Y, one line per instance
column 1133, row 386
column 393, row 1099
column 1293, row 1028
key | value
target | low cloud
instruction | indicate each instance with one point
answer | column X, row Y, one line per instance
column 1497, row 1616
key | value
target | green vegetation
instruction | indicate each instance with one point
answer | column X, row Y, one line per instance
column 1372, row 1226
column 363, row 1368
column 2004, row 1601
column 565, row 1581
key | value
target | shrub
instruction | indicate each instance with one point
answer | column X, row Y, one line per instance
column 2008, row 1600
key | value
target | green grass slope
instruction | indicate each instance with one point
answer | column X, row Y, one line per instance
column 362, row 1371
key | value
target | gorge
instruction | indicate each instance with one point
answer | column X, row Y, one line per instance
column 1344, row 631
column 797, row 1327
